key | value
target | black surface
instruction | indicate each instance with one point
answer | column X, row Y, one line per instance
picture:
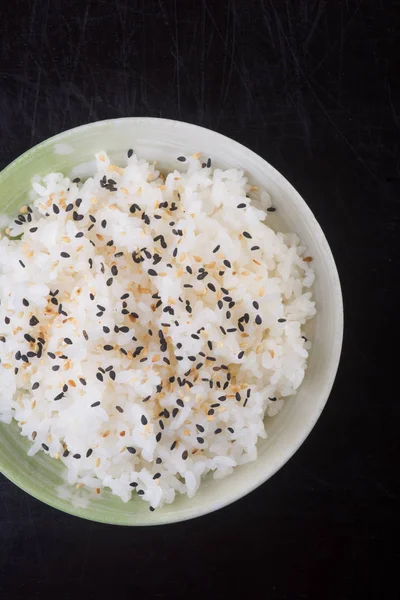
column 312, row 86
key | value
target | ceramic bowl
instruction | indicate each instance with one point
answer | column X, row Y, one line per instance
column 164, row 141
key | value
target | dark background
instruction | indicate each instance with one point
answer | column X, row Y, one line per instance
column 312, row 86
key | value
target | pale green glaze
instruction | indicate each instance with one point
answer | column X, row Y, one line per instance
column 165, row 140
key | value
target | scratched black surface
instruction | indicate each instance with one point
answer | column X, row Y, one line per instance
column 311, row 86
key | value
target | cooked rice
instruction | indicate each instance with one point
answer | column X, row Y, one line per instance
column 148, row 324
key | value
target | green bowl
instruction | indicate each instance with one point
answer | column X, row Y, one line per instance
column 163, row 140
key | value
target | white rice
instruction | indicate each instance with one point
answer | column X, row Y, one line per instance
column 133, row 409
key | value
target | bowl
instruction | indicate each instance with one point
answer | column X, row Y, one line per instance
column 164, row 140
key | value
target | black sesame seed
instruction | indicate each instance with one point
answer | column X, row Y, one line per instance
column 103, row 223
column 158, row 436
column 59, row 396
column 55, row 368
column 131, row 450
column 247, row 235
column 173, row 445
column 130, row 152
column 143, row 420
column 68, row 341
column 65, row 255
column 56, row 210
column 33, row 229
column 271, row 209
column 227, row 263
column 211, row 412
column 45, row 447
column 65, row 453
column 22, row 264
column 35, row 385
column 281, row 320
column 78, row 202
column 157, row 476
column 255, row 248
column 24, row 302
column 108, row 347
column 241, row 354
column 185, row 454
column 109, row 281
column 200, row 440
column 256, row 305
column 76, row 456
column 216, row 248
column 95, row 404
column 181, row 158
column 217, row 431
column 99, row 376
column 33, row 321
column 258, row 320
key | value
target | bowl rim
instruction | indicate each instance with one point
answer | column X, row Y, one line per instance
column 336, row 347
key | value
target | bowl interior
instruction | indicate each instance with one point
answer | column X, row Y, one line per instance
column 163, row 140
